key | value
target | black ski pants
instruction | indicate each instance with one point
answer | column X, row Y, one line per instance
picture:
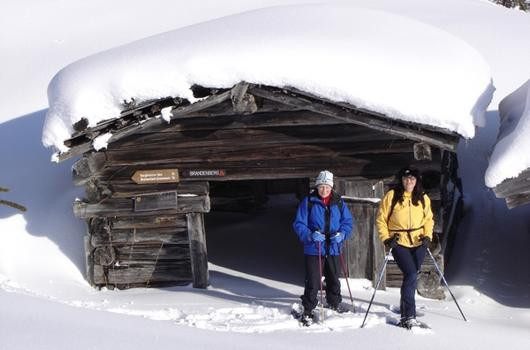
column 409, row 261
column 330, row 270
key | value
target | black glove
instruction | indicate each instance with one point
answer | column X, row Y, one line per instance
column 392, row 242
column 425, row 241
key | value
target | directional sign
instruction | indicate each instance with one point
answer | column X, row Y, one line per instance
column 160, row 176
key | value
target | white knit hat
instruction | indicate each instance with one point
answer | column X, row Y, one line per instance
column 324, row 178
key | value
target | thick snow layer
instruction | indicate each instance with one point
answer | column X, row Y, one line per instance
column 510, row 156
column 375, row 60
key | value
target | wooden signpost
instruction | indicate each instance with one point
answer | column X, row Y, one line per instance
column 158, row 176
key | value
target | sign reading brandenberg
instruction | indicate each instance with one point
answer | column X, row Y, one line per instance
column 207, row 173
column 159, row 176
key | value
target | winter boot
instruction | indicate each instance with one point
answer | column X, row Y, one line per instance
column 409, row 322
column 339, row 308
column 307, row 318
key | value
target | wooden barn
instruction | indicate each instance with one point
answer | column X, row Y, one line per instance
column 148, row 191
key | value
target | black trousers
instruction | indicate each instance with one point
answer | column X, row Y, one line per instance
column 330, row 270
column 409, row 261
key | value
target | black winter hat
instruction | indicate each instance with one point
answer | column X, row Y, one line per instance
column 409, row 171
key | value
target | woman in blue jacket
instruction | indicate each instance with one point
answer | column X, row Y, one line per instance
column 323, row 222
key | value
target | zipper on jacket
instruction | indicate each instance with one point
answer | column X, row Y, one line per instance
column 410, row 222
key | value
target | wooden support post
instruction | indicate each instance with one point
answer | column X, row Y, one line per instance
column 199, row 256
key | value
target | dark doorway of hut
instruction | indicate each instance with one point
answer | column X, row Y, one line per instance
column 249, row 228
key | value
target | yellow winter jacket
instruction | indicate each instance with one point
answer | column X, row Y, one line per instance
column 405, row 216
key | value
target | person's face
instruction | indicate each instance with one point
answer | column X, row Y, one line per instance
column 408, row 183
column 324, row 190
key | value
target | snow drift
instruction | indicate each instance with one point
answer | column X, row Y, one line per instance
column 510, row 155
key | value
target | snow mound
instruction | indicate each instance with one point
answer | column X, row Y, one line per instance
column 374, row 60
column 510, row 155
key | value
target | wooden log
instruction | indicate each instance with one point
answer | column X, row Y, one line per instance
column 147, row 275
column 124, row 207
column 155, row 201
column 149, row 254
column 249, row 153
column 145, row 254
column 89, row 262
column 422, row 151
column 86, row 166
column 198, row 252
column 446, row 140
column 121, row 190
column 105, row 255
column 192, row 141
column 517, row 200
column 514, row 186
column 270, row 115
column 153, row 236
column 242, row 102
column 281, row 168
column 146, row 222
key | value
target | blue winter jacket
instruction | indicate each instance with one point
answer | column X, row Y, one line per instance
column 340, row 220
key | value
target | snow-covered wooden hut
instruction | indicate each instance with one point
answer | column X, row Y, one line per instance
column 161, row 122
column 509, row 168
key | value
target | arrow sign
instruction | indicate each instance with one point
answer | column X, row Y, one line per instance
column 160, row 176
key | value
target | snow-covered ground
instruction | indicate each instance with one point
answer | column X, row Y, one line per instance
column 45, row 303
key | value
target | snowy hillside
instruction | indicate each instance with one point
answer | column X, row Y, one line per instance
column 45, row 302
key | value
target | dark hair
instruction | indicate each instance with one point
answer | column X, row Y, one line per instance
column 417, row 192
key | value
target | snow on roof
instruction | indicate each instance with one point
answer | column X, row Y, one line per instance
column 374, row 60
column 510, row 155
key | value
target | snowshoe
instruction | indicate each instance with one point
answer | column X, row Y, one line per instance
column 306, row 319
column 340, row 308
column 411, row 322
column 395, row 309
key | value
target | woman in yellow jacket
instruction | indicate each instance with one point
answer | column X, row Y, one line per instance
column 405, row 224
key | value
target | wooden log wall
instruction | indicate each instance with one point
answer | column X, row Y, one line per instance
column 266, row 151
column 129, row 248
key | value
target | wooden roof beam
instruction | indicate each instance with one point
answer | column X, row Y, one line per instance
column 447, row 140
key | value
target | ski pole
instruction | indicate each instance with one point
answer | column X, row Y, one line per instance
column 346, row 277
column 321, row 287
column 445, row 282
column 381, row 273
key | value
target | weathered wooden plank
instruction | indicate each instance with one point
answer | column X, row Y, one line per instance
column 283, row 168
column 144, row 125
column 147, row 275
column 222, row 119
column 155, row 201
column 259, row 152
column 517, row 200
column 124, row 207
column 120, row 190
column 514, row 186
column 147, row 254
column 153, row 236
column 446, row 140
column 242, row 102
column 235, row 138
column 146, row 222
column 198, row 252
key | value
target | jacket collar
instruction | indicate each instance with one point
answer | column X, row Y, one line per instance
column 315, row 198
